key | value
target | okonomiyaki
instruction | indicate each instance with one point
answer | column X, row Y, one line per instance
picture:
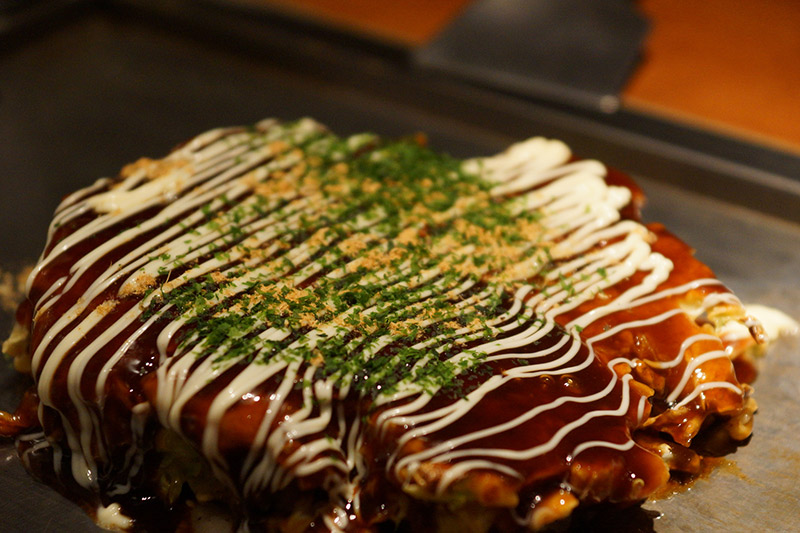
column 325, row 333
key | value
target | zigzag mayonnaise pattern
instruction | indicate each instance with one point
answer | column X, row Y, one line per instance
column 226, row 209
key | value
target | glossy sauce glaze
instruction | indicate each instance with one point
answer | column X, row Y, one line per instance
column 360, row 325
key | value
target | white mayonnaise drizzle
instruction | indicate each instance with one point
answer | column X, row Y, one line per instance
column 111, row 517
column 580, row 212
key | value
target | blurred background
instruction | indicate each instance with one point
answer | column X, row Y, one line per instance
column 726, row 65
column 731, row 65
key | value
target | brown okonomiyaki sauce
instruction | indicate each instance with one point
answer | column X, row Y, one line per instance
column 480, row 394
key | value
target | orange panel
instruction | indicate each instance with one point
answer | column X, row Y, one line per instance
column 407, row 22
column 733, row 64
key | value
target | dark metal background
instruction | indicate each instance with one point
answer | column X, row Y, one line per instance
column 575, row 51
column 90, row 93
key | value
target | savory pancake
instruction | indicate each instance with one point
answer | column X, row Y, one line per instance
column 327, row 333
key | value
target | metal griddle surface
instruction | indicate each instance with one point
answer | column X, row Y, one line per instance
column 83, row 99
